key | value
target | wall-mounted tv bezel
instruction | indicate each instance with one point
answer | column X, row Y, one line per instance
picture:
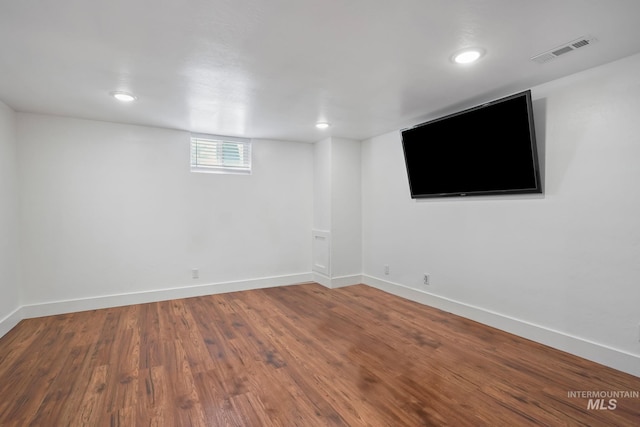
column 525, row 132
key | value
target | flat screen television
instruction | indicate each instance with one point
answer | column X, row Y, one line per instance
column 486, row 150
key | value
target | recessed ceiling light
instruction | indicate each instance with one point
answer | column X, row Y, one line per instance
column 123, row 96
column 467, row 56
column 322, row 125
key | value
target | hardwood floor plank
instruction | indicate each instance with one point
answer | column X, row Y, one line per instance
column 293, row 356
column 61, row 391
column 16, row 341
column 149, row 330
column 90, row 410
column 30, row 381
column 156, row 404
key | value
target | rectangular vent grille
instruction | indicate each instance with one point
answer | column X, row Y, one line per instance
column 562, row 49
column 580, row 43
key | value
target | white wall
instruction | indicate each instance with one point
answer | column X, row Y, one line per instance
column 568, row 262
column 9, row 243
column 111, row 209
column 322, row 185
column 337, row 210
column 346, row 215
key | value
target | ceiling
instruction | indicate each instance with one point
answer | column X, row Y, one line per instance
column 272, row 69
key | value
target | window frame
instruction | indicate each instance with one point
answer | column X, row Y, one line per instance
column 222, row 167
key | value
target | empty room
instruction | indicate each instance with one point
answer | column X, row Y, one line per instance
column 319, row 213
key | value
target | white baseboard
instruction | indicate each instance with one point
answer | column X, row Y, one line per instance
column 599, row 353
column 324, row 280
column 336, row 282
column 94, row 303
column 586, row 349
column 10, row 321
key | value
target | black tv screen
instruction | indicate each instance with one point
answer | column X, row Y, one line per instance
column 486, row 150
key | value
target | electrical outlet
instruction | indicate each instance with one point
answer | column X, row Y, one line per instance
column 386, row 270
column 195, row 273
column 426, row 279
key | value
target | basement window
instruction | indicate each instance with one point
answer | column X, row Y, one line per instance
column 220, row 154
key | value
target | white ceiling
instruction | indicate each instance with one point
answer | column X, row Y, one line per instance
column 271, row 69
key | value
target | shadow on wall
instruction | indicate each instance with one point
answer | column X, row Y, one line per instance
column 540, row 123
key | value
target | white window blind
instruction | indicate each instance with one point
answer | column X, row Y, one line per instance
column 220, row 154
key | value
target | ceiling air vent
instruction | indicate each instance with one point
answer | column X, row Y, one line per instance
column 562, row 49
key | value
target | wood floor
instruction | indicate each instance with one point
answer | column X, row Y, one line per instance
column 293, row 356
